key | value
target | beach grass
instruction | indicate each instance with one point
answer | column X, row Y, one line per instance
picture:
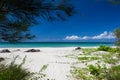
column 14, row 71
column 17, row 72
column 105, row 67
column 85, row 64
column 113, row 73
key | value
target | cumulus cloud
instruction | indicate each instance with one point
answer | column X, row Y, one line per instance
column 73, row 37
column 104, row 35
column 85, row 37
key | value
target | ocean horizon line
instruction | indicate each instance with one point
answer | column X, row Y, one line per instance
column 64, row 42
column 55, row 44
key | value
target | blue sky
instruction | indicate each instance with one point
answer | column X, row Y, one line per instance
column 95, row 21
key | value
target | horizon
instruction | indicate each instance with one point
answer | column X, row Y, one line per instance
column 54, row 44
column 60, row 42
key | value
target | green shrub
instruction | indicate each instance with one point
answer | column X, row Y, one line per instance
column 109, row 49
column 83, row 58
column 14, row 72
column 88, row 51
column 113, row 73
column 113, row 50
column 104, row 48
column 94, row 58
column 80, row 73
column 91, row 72
column 94, row 70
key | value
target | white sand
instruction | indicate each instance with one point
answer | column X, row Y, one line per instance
column 58, row 65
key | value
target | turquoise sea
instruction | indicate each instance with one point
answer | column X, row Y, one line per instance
column 54, row 44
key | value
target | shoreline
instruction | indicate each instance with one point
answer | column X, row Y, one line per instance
column 55, row 47
column 55, row 44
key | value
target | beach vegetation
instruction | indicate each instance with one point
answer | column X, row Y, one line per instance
column 43, row 68
column 114, row 1
column 91, row 72
column 103, row 48
column 83, row 58
column 105, row 67
column 113, row 73
column 96, row 72
column 88, row 58
column 80, row 73
column 88, row 51
column 114, row 50
column 108, row 49
column 111, row 58
column 14, row 71
column 17, row 16
column 117, row 34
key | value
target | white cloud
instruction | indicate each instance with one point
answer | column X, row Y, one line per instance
column 85, row 37
column 104, row 35
column 73, row 37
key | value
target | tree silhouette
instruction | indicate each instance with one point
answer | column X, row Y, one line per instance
column 115, row 1
column 117, row 34
column 16, row 16
column 117, row 30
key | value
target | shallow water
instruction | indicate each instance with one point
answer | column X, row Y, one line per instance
column 54, row 44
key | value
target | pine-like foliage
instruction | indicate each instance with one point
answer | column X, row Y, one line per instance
column 117, row 34
column 16, row 16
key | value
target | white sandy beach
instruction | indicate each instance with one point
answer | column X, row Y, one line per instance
column 58, row 65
